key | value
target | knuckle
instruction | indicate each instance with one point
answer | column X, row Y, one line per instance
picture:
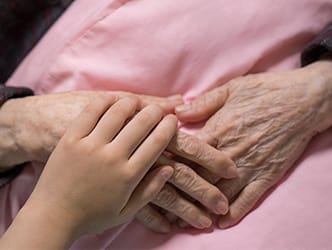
column 89, row 146
column 128, row 101
column 129, row 176
column 147, row 218
column 113, row 158
column 219, row 163
column 120, row 111
column 156, row 109
column 124, row 107
column 166, row 198
column 184, row 176
column 222, row 159
column 187, row 179
column 191, row 146
column 186, row 211
column 153, row 111
column 98, row 105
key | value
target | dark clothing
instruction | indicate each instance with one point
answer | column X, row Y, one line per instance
column 22, row 24
column 320, row 46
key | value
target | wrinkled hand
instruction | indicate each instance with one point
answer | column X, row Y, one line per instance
column 263, row 122
column 185, row 179
column 41, row 121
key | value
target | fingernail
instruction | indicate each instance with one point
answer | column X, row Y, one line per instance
column 221, row 207
column 183, row 108
column 174, row 97
column 223, row 225
column 204, row 222
column 231, row 172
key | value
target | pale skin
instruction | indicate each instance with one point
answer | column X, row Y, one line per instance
column 264, row 123
column 100, row 157
column 33, row 126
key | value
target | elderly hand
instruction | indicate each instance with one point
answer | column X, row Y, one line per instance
column 263, row 122
column 33, row 125
column 185, row 179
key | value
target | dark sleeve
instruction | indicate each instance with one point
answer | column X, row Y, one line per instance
column 5, row 94
column 320, row 46
column 22, row 24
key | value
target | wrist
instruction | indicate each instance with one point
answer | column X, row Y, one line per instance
column 63, row 225
column 40, row 226
column 11, row 153
column 29, row 136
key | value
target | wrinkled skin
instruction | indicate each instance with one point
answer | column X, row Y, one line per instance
column 40, row 121
column 264, row 123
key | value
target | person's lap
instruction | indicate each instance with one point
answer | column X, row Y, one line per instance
column 161, row 48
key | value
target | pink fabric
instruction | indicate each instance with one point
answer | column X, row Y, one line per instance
column 188, row 47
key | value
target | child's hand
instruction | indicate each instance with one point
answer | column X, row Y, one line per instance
column 97, row 175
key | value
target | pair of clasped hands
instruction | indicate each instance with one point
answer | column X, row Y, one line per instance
column 122, row 156
column 112, row 161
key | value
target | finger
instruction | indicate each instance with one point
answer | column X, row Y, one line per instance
column 204, row 106
column 114, row 119
column 168, row 104
column 150, row 150
column 153, row 220
column 147, row 189
column 90, row 116
column 187, row 180
column 170, row 200
column 243, row 203
column 193, row 149
column 138, row 129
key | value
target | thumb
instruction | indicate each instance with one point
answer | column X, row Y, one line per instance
column 204, row 106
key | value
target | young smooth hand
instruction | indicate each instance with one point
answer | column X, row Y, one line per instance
column 97, row 177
